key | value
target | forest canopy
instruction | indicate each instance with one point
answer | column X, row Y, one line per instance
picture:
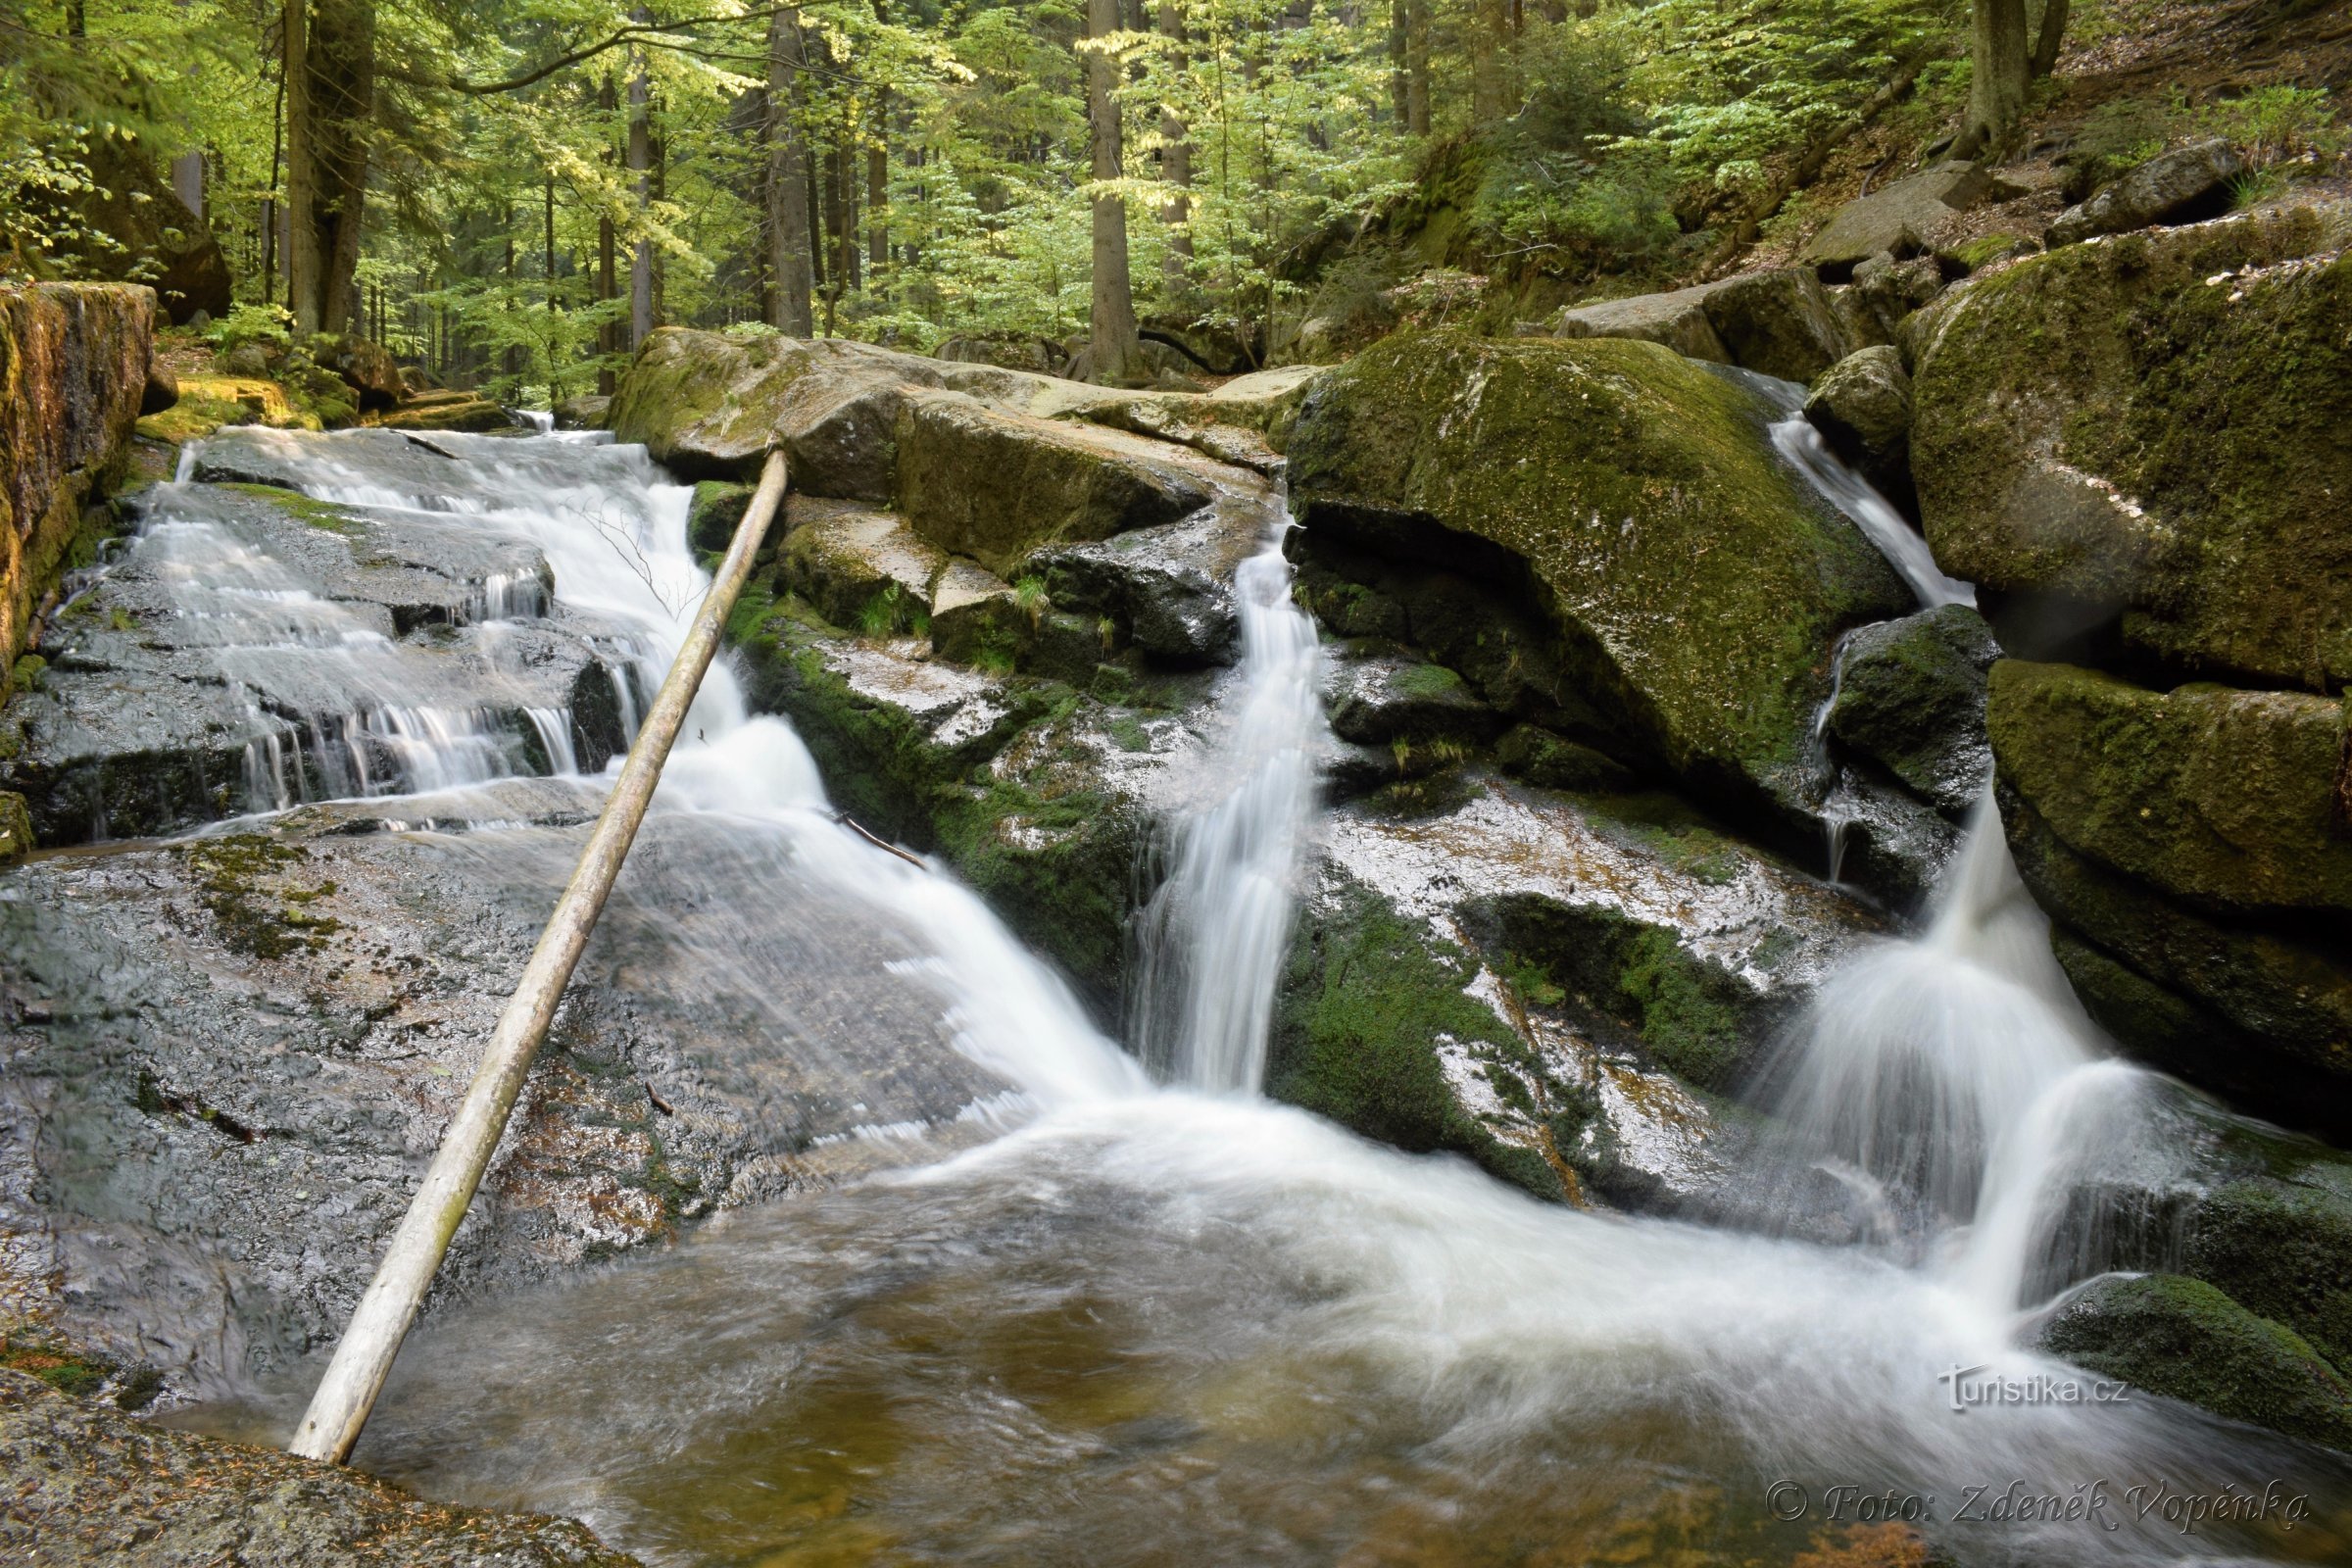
column 520, row 189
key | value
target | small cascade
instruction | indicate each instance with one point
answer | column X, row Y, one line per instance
column 1798, row 441
column 1214, row 935
column 1919, row 1054
column 1953, row 1084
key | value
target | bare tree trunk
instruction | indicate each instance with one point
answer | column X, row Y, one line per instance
column 641, row 162
column 1998, row 61
column 792, row 285
column 1489, row 94
column 302, row 240
column 1111, row 339
column 330, row 76
column 1176, row 163
column 608, row 278
column 1416, row 67
column 2051, row 39
column 1400, row 91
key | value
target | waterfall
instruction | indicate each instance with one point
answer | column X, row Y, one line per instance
column 1798, row 441
column 1213, row 938
column 1954, row 1077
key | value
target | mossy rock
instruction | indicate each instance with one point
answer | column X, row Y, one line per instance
column 2259, row 1011
column 1368, row 1000
column 2184, row 1340
column 16, row 826
column 2151, row 428
column 1542, row 759
column 715, row 512
column 1596, row 534
column 2280, row 1242
column 1911, row 698
column 2222, row 796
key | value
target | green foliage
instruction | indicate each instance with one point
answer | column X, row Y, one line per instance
column 2278, row 125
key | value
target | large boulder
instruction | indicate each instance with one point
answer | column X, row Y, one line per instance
column 995, row 485
column 150, row 236
column 1779, row 323
column 1898, row 220
column 2179, row 186
column 2220, row 796
column 710, row 406
column 2194, row 848
column 73, row 372
column 2148, row 433
column 367, row 368
column 2184, row 1340
column 1676, row 318
column 1598, row 536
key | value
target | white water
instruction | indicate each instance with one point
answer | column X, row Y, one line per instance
column 1797, row 440
column 1216, row 932
column 1309, row 1343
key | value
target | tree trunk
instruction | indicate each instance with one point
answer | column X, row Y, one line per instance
column 1416, row 67
column 608, row 278
column 330, row 77
column 1489, row 94
column 1176, row 162
column 1400, row 92
column 2049, row 40
column 1112, row 333
column 1998, row 62
column 641, row 162
column 792, row 284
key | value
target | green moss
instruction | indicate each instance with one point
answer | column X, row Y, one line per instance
column 2282, row 1249
column 1363, row 1006
column 304, row 509
column 48, row 1358
column 2215, row 407
column 2185, row 1339
column 1686, row 588
column 239, row 874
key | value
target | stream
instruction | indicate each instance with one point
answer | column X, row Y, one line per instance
column 1104, row 1315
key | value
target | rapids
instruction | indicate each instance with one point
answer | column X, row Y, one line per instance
column 1142, row 1325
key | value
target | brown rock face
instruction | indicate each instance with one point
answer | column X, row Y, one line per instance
column 73, row 361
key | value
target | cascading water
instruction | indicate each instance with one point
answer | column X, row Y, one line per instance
column 1182, row 1328
column 1215, row 932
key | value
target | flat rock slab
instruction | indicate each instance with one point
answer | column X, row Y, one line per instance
column 232, row 1054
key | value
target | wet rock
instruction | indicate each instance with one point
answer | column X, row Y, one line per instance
column 1676, row 318
column 1911, row 698
column 1377, row 699
column 1168, row 589
column 73, row 363
column 1532, row 979
column 716, row 512
column 1862, row 405
column 232, row 1054
column 862, row 568
column 1539, row 757
column 147, row 721
column 2184, row 1340
column 1778, row 324
column 1041, row 797
column 2208, row 793
column 586, row 412
column 1898, row 220
column 2179, row 187
column 92, row 1486
column 997, row 486
column 2135, row 441
column 1598, row 538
